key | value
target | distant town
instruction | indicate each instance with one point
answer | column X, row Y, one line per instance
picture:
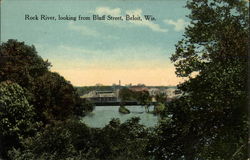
column 108, row 95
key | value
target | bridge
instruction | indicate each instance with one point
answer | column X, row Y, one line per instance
column 106, row 98
column 112, row 97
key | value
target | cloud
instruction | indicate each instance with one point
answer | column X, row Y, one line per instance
column 118, row 12
column 179, row 25
column 108, row 11
column 115, row 12
column 151, row 25
column 83, row 29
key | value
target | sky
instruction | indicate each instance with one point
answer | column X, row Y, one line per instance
column 88, row 52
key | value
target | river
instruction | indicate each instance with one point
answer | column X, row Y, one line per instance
column 101, row 116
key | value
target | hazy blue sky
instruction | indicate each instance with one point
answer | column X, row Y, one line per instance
column 90, row 52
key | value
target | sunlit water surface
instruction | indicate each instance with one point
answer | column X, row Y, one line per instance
column 103, row 114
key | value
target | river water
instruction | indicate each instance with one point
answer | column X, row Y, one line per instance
column 101, row 116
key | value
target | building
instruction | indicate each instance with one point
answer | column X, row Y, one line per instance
column 138, row 89
column 154, row 91
column 101, row 96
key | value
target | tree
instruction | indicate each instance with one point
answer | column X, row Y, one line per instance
column 20, row 63
column 51, row 95
column 144, row 99
column 72, row 139
column 56, row 99
column 85, row 106
column 54, row 142
column 161, row 98
column 210, row 120
column 16, row 116
column 121, row 141
column 125, row 94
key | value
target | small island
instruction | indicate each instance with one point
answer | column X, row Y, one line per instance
column 123, row 110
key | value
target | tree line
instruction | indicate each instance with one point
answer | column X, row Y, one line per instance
column 40, row 110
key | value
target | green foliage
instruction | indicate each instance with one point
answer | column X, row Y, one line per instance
column 53, row 142
column 161, row 98
column 20, row 63
column 141, row 97
column 85, row 107
column 52, row 96
column 123, row 109
column 209, row 122
column 159, row 108
column 144, row 99
column 122, row 141
column 63, row 140
column 56, row 98
column 41, row 92
column 16, row 116
column 74, row 140
column 48, row 97
column 125, row 94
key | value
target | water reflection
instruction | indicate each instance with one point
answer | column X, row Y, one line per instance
column 103, row 114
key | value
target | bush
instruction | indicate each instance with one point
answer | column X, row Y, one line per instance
column 16, row 116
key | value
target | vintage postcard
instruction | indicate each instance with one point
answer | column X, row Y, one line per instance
column 124, row 80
